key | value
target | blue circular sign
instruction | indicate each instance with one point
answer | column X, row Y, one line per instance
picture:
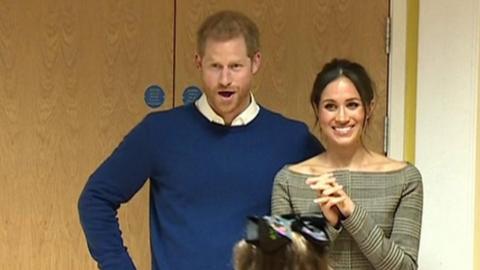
column 191, row 94
column 154, row 96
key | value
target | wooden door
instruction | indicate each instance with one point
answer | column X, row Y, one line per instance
column 297, row 39
column 72, row 81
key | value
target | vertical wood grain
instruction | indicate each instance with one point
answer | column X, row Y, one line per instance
column 73, row 76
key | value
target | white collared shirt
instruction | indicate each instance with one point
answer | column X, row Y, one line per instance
column 242, row 119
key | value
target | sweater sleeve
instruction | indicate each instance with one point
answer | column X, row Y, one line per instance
column 280, row 197
column 115, row 182
column 400, row 250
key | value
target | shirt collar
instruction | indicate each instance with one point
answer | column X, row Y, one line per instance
column 242, row 119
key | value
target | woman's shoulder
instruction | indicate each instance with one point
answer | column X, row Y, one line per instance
column 381, row 163
column 312, row 166
column 290, row 172
column 405, row 168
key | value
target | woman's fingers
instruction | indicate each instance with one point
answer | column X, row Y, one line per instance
column 321, row 200
column 331, row 195
column 321, row 183
column 333, row 190
column 325, row 185
column 329, row 201
column 324, row 178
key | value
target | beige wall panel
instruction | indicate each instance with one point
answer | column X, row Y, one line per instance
column 298, row 38
column 72, row 79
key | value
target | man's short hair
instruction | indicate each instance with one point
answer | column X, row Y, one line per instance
column 226, row 25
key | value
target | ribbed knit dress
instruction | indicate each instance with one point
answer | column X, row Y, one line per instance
column 383, row 232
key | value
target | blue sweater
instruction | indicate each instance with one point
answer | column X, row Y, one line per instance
column 204, row 180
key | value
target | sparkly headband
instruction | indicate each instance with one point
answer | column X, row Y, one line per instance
column 270, row 233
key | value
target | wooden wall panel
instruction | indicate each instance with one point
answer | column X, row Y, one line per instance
column 298, row 38
column 72, row 81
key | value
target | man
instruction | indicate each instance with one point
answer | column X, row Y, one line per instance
column 210, row 164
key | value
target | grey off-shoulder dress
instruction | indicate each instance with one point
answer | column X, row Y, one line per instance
column 383, row 231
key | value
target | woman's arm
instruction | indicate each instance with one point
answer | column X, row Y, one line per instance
column 400, row 250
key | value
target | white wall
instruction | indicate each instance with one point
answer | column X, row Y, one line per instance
column 448, row 66
column 397, row 76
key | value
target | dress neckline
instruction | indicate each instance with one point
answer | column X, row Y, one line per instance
column 407, row 165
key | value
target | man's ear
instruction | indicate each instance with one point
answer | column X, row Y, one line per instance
column 256, row 62
column 198, row 61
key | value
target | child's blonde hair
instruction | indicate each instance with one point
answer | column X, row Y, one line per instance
column 299, row 254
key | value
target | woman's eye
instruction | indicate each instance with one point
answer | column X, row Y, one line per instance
column 353, row 105
column 330, row 107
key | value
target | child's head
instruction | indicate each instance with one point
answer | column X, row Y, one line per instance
column 283, row 243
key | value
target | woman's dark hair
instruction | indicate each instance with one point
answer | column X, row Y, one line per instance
column 337, row 68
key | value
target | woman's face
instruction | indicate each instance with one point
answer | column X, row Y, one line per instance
column 341, row 114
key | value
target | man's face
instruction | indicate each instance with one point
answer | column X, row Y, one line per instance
column 227, row 74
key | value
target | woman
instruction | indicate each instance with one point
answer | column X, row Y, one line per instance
column 373, row 204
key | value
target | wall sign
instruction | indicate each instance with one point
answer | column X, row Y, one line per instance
column 191, row 94
column 154, row 96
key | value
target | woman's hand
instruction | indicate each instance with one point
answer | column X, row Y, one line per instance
column 332, row 199
column 325, row 183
